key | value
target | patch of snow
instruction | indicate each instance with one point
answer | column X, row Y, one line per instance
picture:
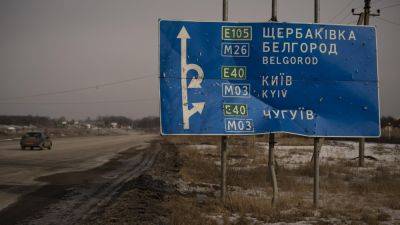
column 293, row 156
column 202, row 147
column 199, row 188
column 394, row 215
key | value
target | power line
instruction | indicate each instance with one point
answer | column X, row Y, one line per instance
column 351, row 22
column 96, row 86
column 381, row 1
column 79, row 103
column 390, row 6
column 344, row 18
column 389, row 21
column 341, row 11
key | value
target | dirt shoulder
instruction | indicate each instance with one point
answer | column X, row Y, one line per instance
column 143, row 200
column 183, row 186
column 68, row 198
column 19, row 169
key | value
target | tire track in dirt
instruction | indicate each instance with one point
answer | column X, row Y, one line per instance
column 144, row 200
column 70, row 198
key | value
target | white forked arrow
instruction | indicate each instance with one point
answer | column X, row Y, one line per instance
column 194, row 83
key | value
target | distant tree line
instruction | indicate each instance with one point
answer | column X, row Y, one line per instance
column 39, row 121
column 101, row 121
column 390, row 121
column 147, row 122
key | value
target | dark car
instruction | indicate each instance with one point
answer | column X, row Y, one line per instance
column 36, row 139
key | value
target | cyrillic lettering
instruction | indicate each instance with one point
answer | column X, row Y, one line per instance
column 332, row 49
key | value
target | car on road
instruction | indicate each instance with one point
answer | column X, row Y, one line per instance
column 36, row 139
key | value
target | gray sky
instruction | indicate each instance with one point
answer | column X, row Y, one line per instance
column 52, row 45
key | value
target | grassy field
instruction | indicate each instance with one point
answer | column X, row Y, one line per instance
column 349, row 194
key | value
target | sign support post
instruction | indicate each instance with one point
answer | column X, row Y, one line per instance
column 271, row 166
column 317, row 148
column 317, row 141
column 363, row 20
column 361, row 152
column 361, row 142
column 224, row 152
column 271, row 142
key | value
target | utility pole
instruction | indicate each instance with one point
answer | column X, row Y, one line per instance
column 271, row 142
column 224, row 10
column 274, row 12
column 317, row 140
column 316, row 11
column 224, row 152
column 367, row 11
column 363, row 19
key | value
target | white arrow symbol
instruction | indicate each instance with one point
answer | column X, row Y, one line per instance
column 197, row 107
column 183, row 35
column 194, row 83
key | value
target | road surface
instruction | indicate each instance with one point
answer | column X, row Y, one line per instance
column 20, row 169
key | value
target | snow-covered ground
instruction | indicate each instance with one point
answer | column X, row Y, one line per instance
column 240, row 158
column 293, row 156
column 335, row 150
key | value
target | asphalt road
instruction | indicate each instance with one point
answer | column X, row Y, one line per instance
column 20, row 168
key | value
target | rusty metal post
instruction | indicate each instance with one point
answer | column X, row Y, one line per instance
column 223, row 167
column 271, row 167
column 224, row 152
column 317, row 148
column 317, row 140
column 361, row 152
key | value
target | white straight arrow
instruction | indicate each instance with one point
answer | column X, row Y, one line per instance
column 183, row 35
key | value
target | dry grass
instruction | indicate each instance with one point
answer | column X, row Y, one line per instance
column 197, row 169
column 384, row 181
column 299, row 179
column 288, row 209
column 392, row 202
column 248, row 178
column 342, row 185
column 185, row 211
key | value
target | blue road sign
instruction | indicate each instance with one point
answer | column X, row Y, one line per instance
column 224, row 78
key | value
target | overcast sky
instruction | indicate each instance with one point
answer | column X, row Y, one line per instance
column 55, row 45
